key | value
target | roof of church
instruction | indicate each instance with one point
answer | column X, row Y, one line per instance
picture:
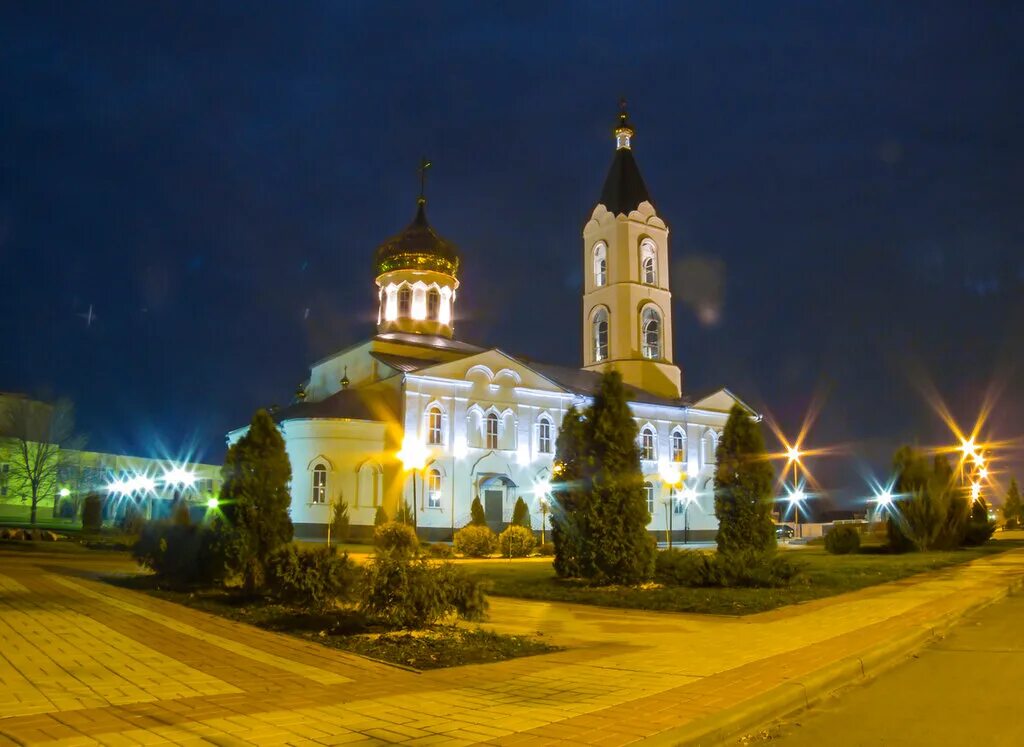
column 431, row 341
column 404, row 363
column 418, row 247
column 624, row 188
column 587, row 382
column 353, row 404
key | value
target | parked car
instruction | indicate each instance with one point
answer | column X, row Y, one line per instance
column 784, row 531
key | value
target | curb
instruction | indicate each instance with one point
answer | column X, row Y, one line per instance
column 799, row 694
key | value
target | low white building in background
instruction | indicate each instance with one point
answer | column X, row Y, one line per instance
column 415, row 415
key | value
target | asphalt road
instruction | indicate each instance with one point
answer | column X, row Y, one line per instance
column 967, row 689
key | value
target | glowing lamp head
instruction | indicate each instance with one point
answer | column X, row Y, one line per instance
column 884, row 498
column 64, row 493
column 413, row 453
column 975, row 491
column 689, row 495
column 797, row 496
column 212, row 502
column 983, row 473
column 793, row 454
column 669, row 473
column 967, row 446
column 179, row 477
column 542, row 488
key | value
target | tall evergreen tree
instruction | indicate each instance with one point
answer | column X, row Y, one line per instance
column 380, row 516
column 743, row 487
column 521, row 514
column 255, row 499
column 477, row 517
column 405, row 515
column 570, row 504
column 933, row 511
column 1012, row 506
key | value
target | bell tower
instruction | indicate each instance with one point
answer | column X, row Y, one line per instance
column 627, row 305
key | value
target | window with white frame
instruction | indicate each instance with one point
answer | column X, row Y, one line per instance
column 649, row 262
column 405, row 301
column 435, row 426
column 491, row 431
column 434, row 488
column 600, row 335
column 648, row 444
column 650, row 333
column 649, row 495
column 433, row 304
column 678, row 446
column 545, row 444
column 678, row 501
column 708, row 444
column 600, row 264
column 319, row 484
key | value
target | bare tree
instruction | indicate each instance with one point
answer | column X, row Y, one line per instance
column 39, row 436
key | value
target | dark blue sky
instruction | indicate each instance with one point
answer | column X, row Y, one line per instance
column 202, row 173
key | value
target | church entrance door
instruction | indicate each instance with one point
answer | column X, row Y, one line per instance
column 492, row 508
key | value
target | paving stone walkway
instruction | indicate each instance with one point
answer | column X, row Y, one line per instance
column 83, row 662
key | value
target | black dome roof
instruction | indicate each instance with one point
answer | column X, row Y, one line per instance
column 418, row 247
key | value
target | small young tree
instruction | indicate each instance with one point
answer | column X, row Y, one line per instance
column 380, row 517
column 405, row 514
column 1012, row 506
column 477, row 517
column 255, row 499
column 339, row 521
column 933, row 511
column 40, row 435
column 570, row 497
column 743, row 487
column 521, row 514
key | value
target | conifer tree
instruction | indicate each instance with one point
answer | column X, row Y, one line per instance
column 620, row 548
column 743, row 487
column 339, row 520
column 380, row 516
column 521, row 514
column 569, row 506
column 1012, row 506
column 255, row 499
column 477, row 517
column 405, row 515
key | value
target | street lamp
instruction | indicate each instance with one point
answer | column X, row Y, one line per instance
column 413, row 456
column 672, row 477
column 796, row 497
column 689, row 496
column 542, row 489
column 793, row 456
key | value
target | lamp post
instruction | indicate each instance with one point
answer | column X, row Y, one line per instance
column 413, row 456
column 543, row 518
column 689, row 495
column 672, row 477
column 793, row 455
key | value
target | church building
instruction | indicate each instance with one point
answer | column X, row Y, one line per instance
column 415, row 415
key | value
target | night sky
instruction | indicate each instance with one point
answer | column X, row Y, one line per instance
column 843, row 185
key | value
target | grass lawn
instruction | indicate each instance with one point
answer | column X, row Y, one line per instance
column 826, row 575
column 347, row 629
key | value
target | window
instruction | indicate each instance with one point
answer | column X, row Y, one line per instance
column 600, row 264
column 433, row 305
column 434, row 489
column 5, row 476
column 708, row 444
column 678, row 446
column 319, row 484
column 678, row 502
column 648, row 449
column 405, row 301
column 600, row 335
column 648, row 262
column 435, row 433
column 492, row 431
column 544, row 436
column 649, row 495
column 650, row 330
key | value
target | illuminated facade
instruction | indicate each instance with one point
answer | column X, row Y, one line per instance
column 415, row 415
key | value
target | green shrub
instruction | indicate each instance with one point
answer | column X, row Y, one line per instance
column 397, row 539
column 180, row 514
column 521, row 514
column 933, row 512
column 842, row 539
column 414, row 593
column 438, row 550
column 979, row 528
column 752, row 568
column 682, row 567
column 380, row 516
column 405, row 515
column 477, row 517
column 339, row 521
column 92, row 513
column 315, row 578
column 182, row 554
column 66, row 509
column 516, row 541
column 132, row 520
column 475, row 541
column 546, row 549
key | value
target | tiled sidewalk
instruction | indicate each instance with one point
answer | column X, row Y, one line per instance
column 82, row 662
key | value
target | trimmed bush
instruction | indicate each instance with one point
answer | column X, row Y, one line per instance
column 521, row 514
column 415, row 593
column 546, row 549
column 516, row 541
column 842, row 539
column 132, row 521
column 92, row 513
column 475, row 541
column 315, row 578
column 682, row 567
column 979, row 528
column 752, row 568
column 182, row 554
column 396, row 539
column 66, row 509
column 438, row 550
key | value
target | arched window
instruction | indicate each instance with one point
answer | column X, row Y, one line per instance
column 648, row 262
column 648, row 444
column 433, row 304
column 319, row 484
column 545, row 443
column 600, row 334
column 649, row 495
column 435, row 431
column 650, row 331
column 678, row 501
column 405, row 301
column 492, row 431
column 600, row 264
column 708, row 444
column 434, row 488
column 678, row 446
